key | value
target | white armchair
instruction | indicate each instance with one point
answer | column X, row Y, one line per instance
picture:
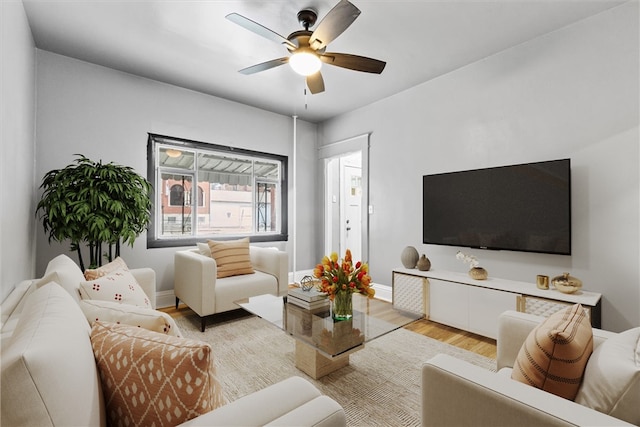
column 457, row 393
column 196, row 285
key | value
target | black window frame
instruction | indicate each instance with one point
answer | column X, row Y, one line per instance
column 154, row 241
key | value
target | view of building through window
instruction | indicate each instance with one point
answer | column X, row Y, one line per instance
column 203, row 190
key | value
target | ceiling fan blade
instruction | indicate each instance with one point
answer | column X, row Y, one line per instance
column 258, row 29
column 333, row 24
column 315, row 83
column 353, row 62
column 264, row 66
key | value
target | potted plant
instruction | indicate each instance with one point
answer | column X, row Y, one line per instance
column 94, row 204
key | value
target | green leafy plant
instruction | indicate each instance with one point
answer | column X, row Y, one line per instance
column 94, row 204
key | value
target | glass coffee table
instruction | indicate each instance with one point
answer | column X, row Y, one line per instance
column 322, row 344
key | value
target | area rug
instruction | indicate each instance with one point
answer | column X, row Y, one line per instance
column 380, row 387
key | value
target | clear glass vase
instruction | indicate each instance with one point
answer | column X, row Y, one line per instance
column 342, row 307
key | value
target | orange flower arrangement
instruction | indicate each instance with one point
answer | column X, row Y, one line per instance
column 343, row 276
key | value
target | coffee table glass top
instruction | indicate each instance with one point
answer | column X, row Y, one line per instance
column 372, row 318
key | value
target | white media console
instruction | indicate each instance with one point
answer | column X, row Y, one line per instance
column 457, row 300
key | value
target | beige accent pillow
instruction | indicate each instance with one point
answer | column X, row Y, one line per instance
column 612, row 379
column 115, row 312
column 232, row 257
column 153, row 379
column 119, row 286
column 554, row 355
column 116, row 264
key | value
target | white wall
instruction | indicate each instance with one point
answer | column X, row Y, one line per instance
column 105, row 114
column 17, row 106
column 571, row 93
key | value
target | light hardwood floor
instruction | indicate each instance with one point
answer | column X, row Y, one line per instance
column 456, row 337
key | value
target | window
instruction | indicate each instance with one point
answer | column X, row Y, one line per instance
column 206, row 191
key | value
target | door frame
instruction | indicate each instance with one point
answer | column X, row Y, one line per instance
column 337, row 149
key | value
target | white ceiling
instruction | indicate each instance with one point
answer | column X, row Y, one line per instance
column 191, row 44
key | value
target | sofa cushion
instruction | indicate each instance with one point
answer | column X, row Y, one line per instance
column 49, row 376
column 118, row 286
column 232, row 257
column 153, row 379
column 612, row 378
column 555, row 353
column 127, row 314
column 69, row 274
column 94, row 273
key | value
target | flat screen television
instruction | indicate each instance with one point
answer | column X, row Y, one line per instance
column 525, row 207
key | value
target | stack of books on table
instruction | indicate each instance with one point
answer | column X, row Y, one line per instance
column 310, row 300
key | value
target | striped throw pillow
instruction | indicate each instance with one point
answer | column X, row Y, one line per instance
column 554, row 355
column 232, row 257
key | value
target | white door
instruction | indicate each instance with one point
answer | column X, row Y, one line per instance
column 346, row 166
column 351, row 215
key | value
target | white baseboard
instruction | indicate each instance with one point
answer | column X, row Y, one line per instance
column 383, row 292
column 165, row 299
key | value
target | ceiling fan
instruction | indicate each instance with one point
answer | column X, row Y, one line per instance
column 308, row 48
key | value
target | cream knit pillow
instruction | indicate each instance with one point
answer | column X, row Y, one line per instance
column 612, row 378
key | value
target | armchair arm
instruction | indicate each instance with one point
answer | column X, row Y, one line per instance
column 146, row 278
column 271, row 261
column 457, row 393
column 195, row 281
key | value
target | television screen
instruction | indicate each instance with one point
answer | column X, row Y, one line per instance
column 523, row 207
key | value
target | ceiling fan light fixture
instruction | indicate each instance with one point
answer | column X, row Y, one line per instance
column 305, row 62
column 173, row 153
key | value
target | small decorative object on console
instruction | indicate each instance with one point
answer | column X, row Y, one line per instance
column 476, row 272
column 409, row 257
column 307, row 283
column 566, row 283
column 423, row 263
column 542, row 281
column 341, row 279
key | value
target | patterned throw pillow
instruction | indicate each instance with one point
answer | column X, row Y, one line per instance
column 116, row 264
column 554, row 355
column 148, row 318
column 119, row 286
column 153, row 379
column 232, row 257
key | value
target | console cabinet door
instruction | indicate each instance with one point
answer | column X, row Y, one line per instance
column 448, row 303
column 485, row 305
column 409, row 293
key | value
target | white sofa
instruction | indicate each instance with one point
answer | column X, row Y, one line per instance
column 49, row 374
column 196, row 285
column 457, row 393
